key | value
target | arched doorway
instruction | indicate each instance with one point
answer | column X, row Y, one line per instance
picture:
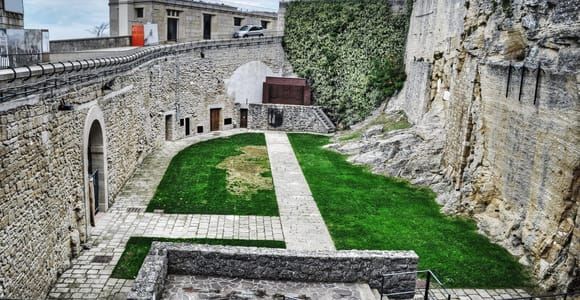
column 96, row 171
column 94, row 167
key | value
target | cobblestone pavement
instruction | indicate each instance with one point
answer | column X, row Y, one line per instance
column 90, row 280
column 478, row 294
column 198, row 287
column 304, row 228
column 300, row 225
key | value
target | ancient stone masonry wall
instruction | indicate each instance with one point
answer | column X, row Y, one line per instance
column 274, row 264
column 295, row 118
column 43, row 212
column 496, row 140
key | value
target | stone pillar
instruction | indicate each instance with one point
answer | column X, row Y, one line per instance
column 282, row 15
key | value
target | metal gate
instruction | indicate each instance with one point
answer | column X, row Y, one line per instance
column 275, row 117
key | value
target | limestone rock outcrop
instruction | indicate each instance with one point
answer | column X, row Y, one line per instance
column 492, row 91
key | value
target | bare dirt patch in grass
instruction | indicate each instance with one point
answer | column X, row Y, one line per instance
column 245, row 172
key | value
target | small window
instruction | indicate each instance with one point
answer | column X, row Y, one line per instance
column 181, row 122
column 237, row 21
column 173, row 13
column 139, row 12
column 199, row 129
column 228, row 121
column 265, row 24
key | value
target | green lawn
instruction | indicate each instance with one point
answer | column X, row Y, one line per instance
column 138, row 247
column 366, row 211
column 196, row 183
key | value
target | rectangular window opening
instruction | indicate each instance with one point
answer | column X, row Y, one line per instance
column 181, row 122
column 139, row 12
column 265, row 24
column 173, row 13
column 238, row 21
column 228, row 121
column 199, row 129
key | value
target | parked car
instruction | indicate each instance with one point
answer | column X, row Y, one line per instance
column 249, row 31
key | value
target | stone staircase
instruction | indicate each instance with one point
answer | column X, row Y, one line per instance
column 321, row 115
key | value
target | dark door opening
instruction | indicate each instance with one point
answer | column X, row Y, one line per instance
column 172, row 29
column 96, row 167
column 207, row 27
column 215, row 119
column 243, row 118
column 187, row 127
column 169, row 128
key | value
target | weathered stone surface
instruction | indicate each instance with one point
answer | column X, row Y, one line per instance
column 497, row 141
column 43, row 212
column 297, row 118
column 280, row 264
column 196, row 287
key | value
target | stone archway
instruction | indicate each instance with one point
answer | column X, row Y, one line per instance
column 95, row 166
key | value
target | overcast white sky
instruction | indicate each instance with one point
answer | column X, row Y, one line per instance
column 72, row 18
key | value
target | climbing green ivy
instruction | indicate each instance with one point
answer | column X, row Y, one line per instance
column 350, row 51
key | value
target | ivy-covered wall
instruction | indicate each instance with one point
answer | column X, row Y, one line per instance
column 351, row 51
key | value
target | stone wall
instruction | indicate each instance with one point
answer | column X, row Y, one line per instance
column 274, row 264
column 297, row 118
column 63, row 46
column 43, row 212
column 494, row 139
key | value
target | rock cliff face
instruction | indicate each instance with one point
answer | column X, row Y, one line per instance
column 492, row 91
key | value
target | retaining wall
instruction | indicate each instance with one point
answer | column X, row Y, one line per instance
column 272, row 264
column 298, row 118
column 137, row 100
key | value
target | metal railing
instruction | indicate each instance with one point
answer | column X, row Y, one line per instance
column 430, row 288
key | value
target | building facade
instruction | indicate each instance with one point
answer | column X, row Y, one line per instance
column 11, row 14
column 185, row 20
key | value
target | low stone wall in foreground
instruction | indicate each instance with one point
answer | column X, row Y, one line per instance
column 272, row 264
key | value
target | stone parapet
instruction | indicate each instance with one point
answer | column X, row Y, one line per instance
column 72, row 45
column 274, row 264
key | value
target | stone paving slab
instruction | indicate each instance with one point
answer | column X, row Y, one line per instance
column 199, row 287
column 303, row 226
column 89, row 280
column 478, row 294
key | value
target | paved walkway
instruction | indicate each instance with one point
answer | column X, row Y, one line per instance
column 303, row 226
column 300, row 224
column 473, row 294
column 201, row 287
column 87, row 279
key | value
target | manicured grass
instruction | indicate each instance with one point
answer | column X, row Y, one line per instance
column 366, row 211
column 138, row 247
column 196, row 183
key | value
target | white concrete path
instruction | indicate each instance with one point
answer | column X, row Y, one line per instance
column 302, row 224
